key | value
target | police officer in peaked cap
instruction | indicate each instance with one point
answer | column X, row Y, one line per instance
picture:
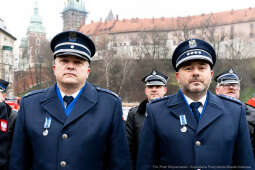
column 228, row 84
column 155, row 87
column 7, row 123
column 71, row 125
column 195, row 128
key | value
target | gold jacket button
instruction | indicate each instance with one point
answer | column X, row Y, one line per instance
column 63, row 163
column 198, row 143
column 64, row 136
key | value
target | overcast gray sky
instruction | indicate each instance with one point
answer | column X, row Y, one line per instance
column 17, row 13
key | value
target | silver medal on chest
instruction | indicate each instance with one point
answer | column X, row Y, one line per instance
column 47, row 124
column 183, row 129
column 45, row 132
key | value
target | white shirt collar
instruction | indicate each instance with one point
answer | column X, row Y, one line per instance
column 202, row 101
column 74, row 94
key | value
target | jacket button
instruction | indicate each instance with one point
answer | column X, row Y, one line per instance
column 198, row 143
column 64, row 136
column 63, row 163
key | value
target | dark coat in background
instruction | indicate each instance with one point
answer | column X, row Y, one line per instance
column 92, row 137
column 250, row 115
column 134, row 123
column 8, row 116
column 221, row 139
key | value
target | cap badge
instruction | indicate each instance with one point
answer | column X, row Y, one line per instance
column 72, row 46
column 154, row 73
column 192, row 43
column 72, row 36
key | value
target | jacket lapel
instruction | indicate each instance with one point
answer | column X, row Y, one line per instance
column 85, row 102
column 51, row 104
column 178, row 107
column 213, row 111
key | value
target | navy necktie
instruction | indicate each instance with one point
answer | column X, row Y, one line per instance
column 194, row 107
column 68, row 99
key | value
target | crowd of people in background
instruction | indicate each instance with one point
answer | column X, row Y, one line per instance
column 76, row 125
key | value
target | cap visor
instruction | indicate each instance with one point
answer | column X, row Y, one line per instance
column 155, row 83
column 229, row 82
column 72, row 54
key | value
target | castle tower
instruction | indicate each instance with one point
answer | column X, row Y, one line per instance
column 110, row 16
column 74, row 15
column 35, row 35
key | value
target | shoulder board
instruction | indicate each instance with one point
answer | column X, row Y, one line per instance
column 159, row 99
column 107, row 91
column 34, row 92
column 230, row 99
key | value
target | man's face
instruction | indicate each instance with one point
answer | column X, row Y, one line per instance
column 194, row 77
column 71, row 70
column 2, row 96
column 232, row 90
column 153, row 92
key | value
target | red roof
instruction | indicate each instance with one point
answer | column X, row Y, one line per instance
column 170, row 24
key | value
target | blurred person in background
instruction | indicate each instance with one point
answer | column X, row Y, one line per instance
column 155, row 87
column 228, row 84
column 7, row 123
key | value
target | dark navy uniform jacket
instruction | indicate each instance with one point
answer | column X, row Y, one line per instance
column 220, row 140
column 91, row 138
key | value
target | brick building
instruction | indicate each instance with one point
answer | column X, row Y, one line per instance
column 30, row 45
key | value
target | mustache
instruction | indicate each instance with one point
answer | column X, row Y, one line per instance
column 194, row 79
